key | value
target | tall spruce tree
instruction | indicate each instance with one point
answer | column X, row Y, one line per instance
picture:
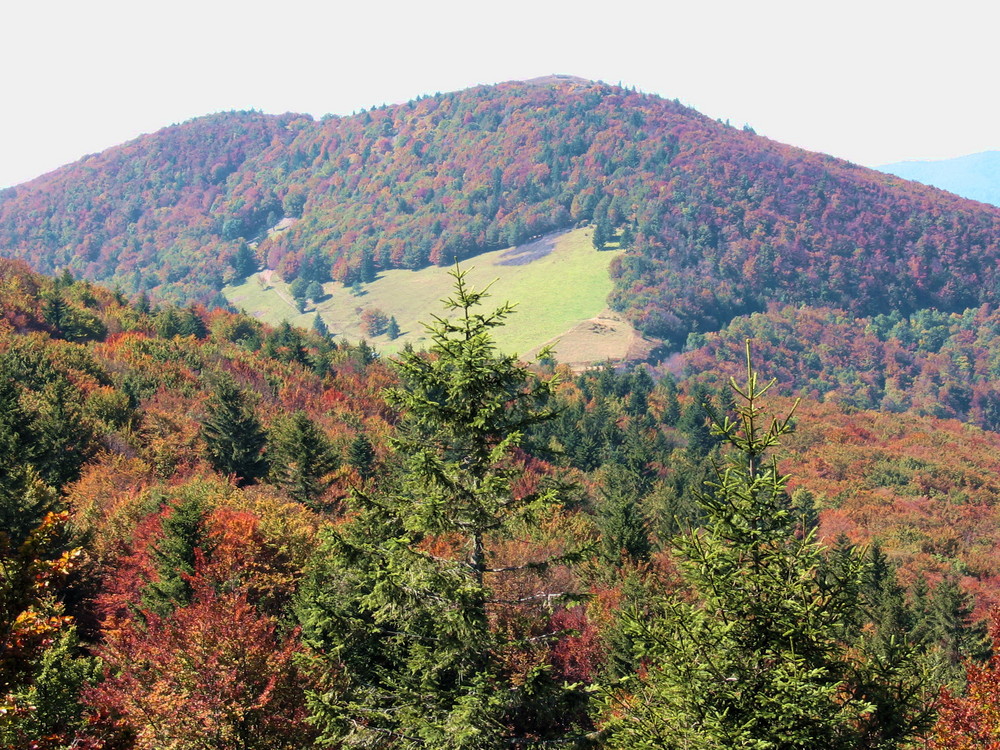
column 301, row 456
column 62, row 436
column 765, row 646
column 183, row 532
column 416, row 647
column 947, row 632
column 624, row 530
column 361, row 456
column 244, row 262
column 234, row 438
column 392, row 328
column 23, row 501
column 319, row 326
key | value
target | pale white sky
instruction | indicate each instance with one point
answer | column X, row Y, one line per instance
column 874, row 82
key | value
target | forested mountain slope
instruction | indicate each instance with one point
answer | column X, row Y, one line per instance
column 216, row 529
column 719, row 221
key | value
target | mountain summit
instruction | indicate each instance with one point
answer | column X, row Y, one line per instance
column 718, row 221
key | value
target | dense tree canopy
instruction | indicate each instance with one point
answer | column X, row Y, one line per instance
column 718, row 221
column 763, row 644
column 476, row 558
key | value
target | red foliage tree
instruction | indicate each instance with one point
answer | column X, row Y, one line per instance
column 213, row 674
column 972, row 721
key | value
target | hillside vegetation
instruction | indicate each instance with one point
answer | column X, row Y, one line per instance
column 718, row 221
column 215, row 528
column 218, row 529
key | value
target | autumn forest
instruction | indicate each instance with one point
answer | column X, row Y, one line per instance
column 779, row 531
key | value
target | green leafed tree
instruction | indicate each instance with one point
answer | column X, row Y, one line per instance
column 41, row 670
column 314, row 291
column 418, row 640
column 299, row 289
column 765, row 645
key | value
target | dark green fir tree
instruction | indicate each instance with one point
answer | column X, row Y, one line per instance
column 392, row 329
column 301, row 456
column 406, row 639
column 244, row 262
column 319, row 326
column 361, row 456
column 182, row 533
column 624, row 531
column 233, row 436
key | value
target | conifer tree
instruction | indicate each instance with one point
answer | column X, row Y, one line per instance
column 285, row 343
column 392, row 329
column 300, row 456
column 142, row 304
column 624, row 533
column 694, row 425
column 168, row 323
column 400, row 601
column 183, row 529
column 366, row 270
column 945, row 629
column 319, row 326
column 234, row 438
column 191, row 324
column 23, row 502
column 54, row 310
column 244, row 262
column 671, row 406
column 64, row 280
column 361, row 456
column 765, row 648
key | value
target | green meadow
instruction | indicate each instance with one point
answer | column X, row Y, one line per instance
column 552, row 293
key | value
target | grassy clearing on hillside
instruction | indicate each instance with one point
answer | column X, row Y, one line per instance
column 553, row 293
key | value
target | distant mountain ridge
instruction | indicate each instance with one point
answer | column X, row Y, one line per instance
column 976, row 176
column 719, row 221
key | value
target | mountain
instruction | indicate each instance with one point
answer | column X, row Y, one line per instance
column 976, row 176
column 271, row 532
column 719, row 222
